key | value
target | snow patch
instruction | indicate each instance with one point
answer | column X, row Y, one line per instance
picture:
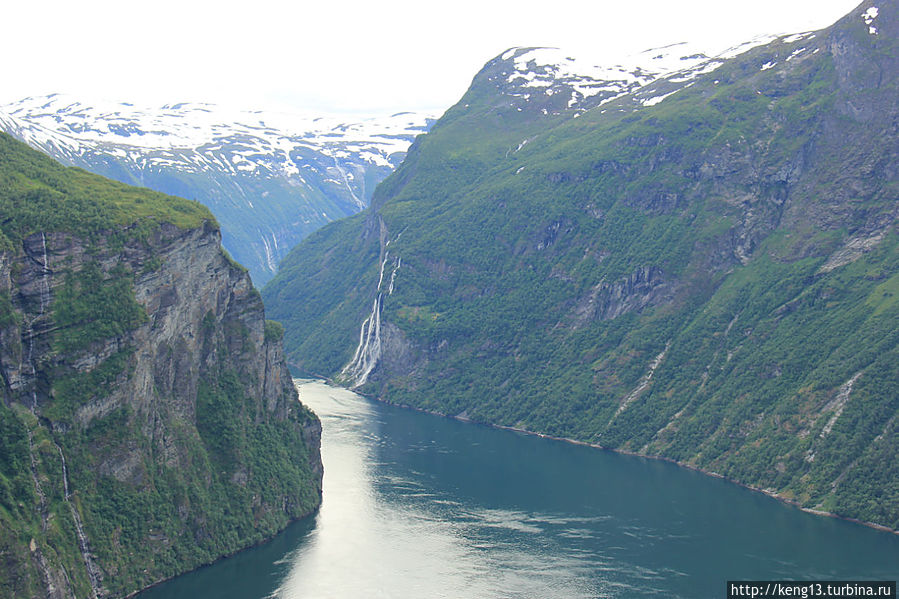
column 870, row 14
column 795, row 54
column 555, row 71
column 656, row 99
column 798, row 36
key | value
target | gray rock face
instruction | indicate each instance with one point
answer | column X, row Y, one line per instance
column 644, row 287
column 202, row 322
column 193, row 286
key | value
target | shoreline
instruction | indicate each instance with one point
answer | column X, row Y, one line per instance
column 768, row 492
column 259, row 543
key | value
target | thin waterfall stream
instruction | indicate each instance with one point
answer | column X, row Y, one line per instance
column 44, row 294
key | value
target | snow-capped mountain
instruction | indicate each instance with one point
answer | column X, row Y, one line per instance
column 269, row 178
column 554, row 81
column 273, row 178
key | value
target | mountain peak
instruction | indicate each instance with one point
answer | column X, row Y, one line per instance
column 532, row 74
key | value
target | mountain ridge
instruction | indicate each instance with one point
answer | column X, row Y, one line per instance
column 270, row 178
column 705, row 278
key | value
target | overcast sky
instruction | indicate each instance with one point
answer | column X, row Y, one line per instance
column 350, row 56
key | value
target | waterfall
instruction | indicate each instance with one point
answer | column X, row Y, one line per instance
column 838, row 404
column 644, row 382
column 42, row 502
column 368, row 351
column 44, row 295
column 399, row 262
column 37, row 483
column 29, row 331
column 92, row 574
column 45, row 272
column 346, row 181
column 835, row 407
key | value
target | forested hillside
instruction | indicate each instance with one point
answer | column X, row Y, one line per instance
column 704, row 269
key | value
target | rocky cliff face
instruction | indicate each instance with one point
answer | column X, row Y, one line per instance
column 150, row 424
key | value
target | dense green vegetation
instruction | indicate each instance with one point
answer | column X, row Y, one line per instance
column 163, row 478
column 92, row 306
column 38, row 194
column 16, row 492
column 274, row 330
column 225, row 495
column 709, row 279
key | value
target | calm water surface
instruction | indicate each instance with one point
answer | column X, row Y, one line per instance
column 418, row 506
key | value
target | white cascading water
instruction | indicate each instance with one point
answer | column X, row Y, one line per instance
column 44, row 294
column 368, row 352
column 37, row 483
column 346, row 181
column 92, row 574
column 29, row 331
column 644, row 382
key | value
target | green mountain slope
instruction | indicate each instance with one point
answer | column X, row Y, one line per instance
column 148, row 423
column 707, row 277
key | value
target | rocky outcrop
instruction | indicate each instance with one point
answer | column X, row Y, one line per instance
column 145, row 359
column 645, row 287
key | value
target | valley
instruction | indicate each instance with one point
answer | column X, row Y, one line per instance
column 270, row 178
column 603, row 329
column 410, row 501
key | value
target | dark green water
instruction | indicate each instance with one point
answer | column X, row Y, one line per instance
column 418, row 506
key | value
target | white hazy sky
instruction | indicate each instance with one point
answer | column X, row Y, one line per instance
column 342, row 56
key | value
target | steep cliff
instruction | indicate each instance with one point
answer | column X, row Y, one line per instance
column 703, row 268
column 149, row 423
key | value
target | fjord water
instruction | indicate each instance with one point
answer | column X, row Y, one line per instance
column 419, row 506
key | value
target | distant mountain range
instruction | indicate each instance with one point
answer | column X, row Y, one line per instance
column 695, row 259
column 269, row 178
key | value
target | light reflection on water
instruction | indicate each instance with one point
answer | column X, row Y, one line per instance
column 387, row 535
column 417, row 506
